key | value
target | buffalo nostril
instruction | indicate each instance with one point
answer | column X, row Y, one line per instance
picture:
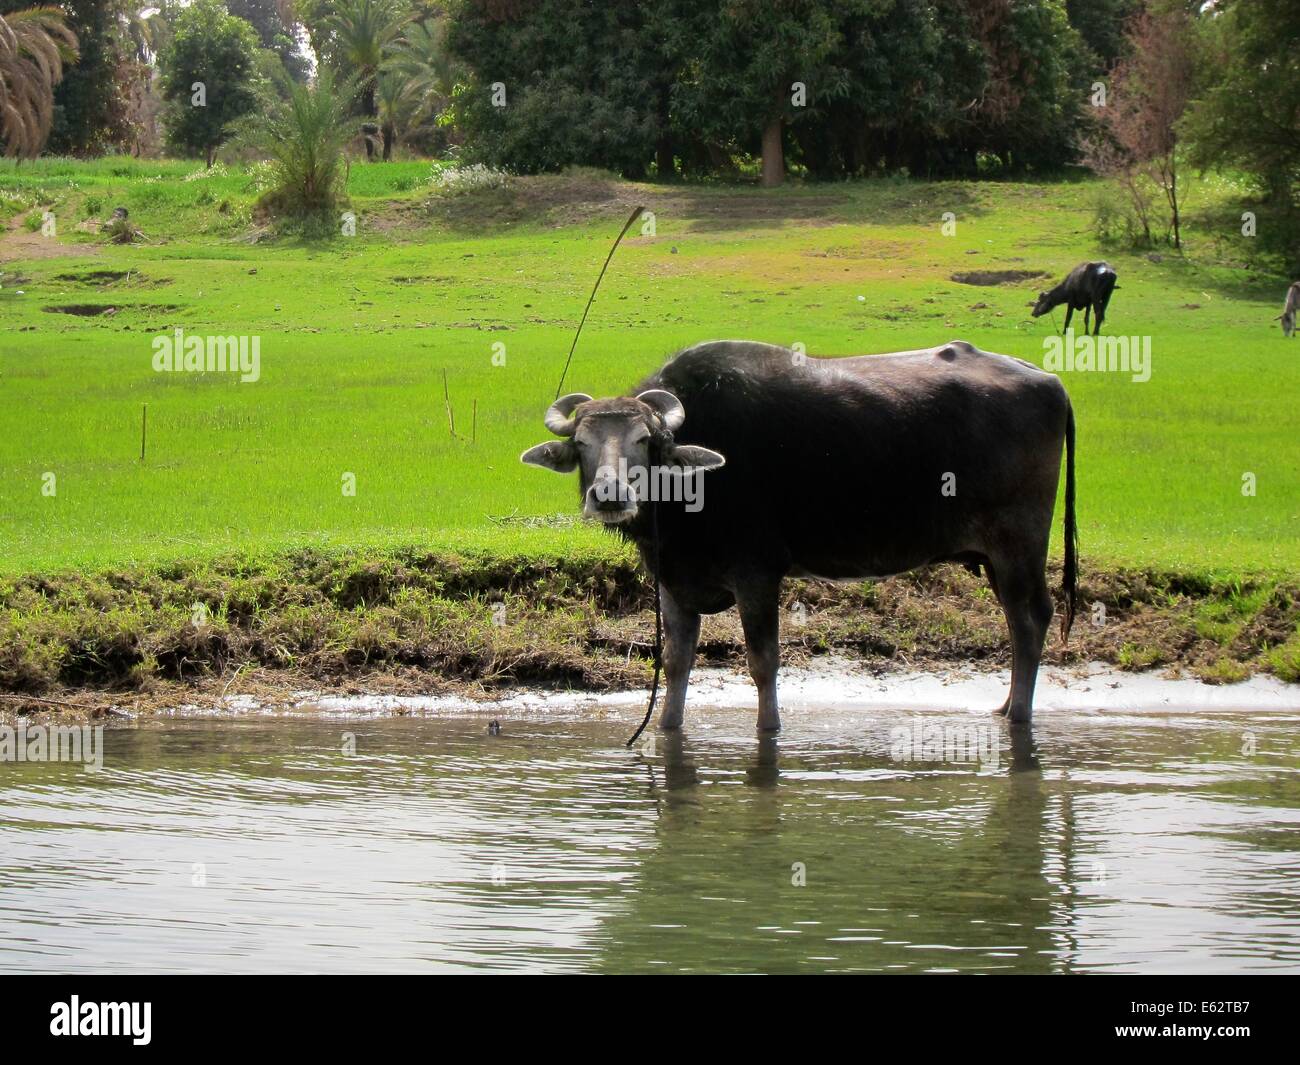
column 609, row 496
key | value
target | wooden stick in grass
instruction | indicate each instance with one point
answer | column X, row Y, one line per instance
column 144, row 429
column 446, row 397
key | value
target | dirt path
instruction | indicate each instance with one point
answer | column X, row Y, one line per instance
column 18, row 243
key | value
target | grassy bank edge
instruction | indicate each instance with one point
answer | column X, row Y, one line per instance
column 414, row 619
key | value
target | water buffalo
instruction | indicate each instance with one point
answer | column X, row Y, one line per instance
column 1086, row 288
column 842, row 468
column 1290, row 309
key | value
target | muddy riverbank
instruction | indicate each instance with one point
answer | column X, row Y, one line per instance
column 472, row 627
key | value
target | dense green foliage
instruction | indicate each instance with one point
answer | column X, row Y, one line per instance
column 275, row 34
column 90, row 112
column 855, row 86
column 1249, row 116
column 213, row 50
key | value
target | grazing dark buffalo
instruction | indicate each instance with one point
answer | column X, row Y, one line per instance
column 836, row 468
column 1290, row 309
column 1086, row 288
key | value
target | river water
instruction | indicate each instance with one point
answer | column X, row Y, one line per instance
column 861, row 840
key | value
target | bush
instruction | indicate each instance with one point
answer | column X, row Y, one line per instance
column 475, row 178
column 1121, row 215
column 305, row 133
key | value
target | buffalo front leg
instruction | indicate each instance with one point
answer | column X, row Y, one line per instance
column 681, row 636
column 760, row 610
column 1069, row 313
column 1028, row 607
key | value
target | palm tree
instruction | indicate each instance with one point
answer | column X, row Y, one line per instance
column 424, row 60
column 305, row 131
column 363, row 33
column 34, row 45
column 150, row 29
column 399, row 107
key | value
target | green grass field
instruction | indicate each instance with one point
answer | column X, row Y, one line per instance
column 355, row 336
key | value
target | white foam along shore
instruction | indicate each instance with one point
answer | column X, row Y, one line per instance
column 839, row 685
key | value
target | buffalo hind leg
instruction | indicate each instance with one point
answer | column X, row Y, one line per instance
column 1028, row 607
column 760, row 616
column 1101, row 314
column 993, row 584
column 681, row 636
column 1087, row 310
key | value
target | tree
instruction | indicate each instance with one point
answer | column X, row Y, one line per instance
column 305, row 131
column 209, row 77
column 1149, row 92
column 753, row 67
column 149, row 29
column 909, row 79
column 34, row 45
column 423, row 59
column 362, row 35
column 276, row 28
column 596, row 101
column 839, row 86
column 1101, row 25
column 399, row 107
column 1248, row 117
column 90, row 101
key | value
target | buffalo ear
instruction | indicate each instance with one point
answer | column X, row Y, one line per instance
column 558, row 455
column 700, row 458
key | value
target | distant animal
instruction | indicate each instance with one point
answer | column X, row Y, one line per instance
column 370, row 136
column 1086, row 288
column 1289, row 310
column 843, row 469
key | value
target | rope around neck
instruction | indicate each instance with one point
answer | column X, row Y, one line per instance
column 659, row 636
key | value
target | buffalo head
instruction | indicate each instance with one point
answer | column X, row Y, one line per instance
column 623, row 449
column 1041, row 306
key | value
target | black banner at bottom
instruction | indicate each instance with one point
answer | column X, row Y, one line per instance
column 214, row 1013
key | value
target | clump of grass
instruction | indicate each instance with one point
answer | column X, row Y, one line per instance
column 1134, row 656
column 1223, row 670
column 1284, row 660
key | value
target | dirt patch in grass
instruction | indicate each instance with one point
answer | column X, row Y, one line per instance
column 996, row 277
column 548, row 199
column 709, row 209
column 91, row 310
column 18, row 243
column 338, row 621
column 107, row 278
column 583, row 195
